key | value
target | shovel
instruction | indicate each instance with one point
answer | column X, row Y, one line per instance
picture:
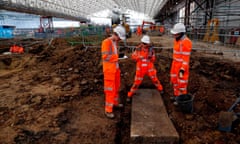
column 226, row 118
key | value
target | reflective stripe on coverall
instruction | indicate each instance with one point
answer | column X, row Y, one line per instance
column 145, row 66
column 181, row 57
column 111, row 73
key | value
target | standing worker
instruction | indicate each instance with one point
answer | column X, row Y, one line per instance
column 161, row 30
column 144, row 55
column 111, row 70
column 139, row 31
column 180, row 65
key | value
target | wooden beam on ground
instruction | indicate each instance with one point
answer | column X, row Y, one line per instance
column 149, row 120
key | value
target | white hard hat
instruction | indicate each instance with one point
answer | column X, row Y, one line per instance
column 145, row 39
column 178, row 28
column 120, row 30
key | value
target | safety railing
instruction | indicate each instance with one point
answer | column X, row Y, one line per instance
column 90, row 36
column 218, row 35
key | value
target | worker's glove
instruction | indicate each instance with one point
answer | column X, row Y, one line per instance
column 150, row 53
column 181, row 73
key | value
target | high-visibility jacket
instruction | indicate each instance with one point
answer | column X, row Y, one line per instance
column 143, row 52
column 161, row 29
column 109, row 56
column 16, row 49
column 139, row 31
column 111, row 73
column 145, row 57
column 181, row 58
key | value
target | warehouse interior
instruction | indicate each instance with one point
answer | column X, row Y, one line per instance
column 52, row 89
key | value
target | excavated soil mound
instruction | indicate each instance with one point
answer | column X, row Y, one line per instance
column 54, row 94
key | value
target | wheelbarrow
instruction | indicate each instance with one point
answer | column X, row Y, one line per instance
column 227, row 118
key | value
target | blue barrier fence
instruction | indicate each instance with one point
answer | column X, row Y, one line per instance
column 6, row 31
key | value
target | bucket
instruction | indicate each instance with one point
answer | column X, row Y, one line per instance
column 121, row 55
column 185, row 103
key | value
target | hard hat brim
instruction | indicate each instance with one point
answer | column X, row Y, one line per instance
column 147, row 42
column 145, row 39
column 122, row 38
column 173, row 31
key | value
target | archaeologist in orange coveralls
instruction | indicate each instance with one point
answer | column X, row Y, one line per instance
column 139, row 31
column 180, row 65
column 161, row 30
column 144, row 55
column 111, row 70
column 16, row 49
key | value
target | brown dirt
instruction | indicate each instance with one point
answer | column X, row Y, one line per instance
column 54, row 94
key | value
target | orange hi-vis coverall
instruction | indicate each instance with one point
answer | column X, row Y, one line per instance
column 16, row 49
column 161, row 29
column 181, row 57
column 139, row 31
column 111, row 73
column 145, row 57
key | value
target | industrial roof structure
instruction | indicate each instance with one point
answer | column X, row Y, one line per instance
column 81, row 9
column 190, row 12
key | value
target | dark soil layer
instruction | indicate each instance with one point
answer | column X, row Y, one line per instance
column 54, row 95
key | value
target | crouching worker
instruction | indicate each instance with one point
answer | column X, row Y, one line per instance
column 111, row 70
column 144, row 55
column 16, row 49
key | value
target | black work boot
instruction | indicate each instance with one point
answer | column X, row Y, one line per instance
column 109, row 115
column 129, row 100
column 118, row 105
column 161, row 92
column 172, row 98
column 175, row 103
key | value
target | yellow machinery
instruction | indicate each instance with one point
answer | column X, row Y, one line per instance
column 211, row 34
column 128, row 30
column 126, row 26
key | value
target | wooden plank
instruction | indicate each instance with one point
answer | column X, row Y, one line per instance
column 149, row 120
